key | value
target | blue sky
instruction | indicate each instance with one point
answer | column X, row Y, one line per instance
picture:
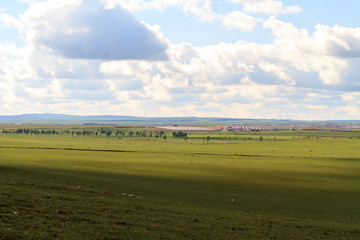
column 206, row 58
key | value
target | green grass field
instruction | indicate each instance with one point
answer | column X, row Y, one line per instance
column 91, row 187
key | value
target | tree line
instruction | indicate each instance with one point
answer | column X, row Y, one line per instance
column 84, row 132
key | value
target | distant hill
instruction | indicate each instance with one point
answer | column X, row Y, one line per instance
column 50, row 118
column 102, row 118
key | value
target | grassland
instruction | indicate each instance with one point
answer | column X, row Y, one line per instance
column 231, row 187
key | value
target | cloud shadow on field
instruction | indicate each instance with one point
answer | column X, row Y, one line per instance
column 288, row 195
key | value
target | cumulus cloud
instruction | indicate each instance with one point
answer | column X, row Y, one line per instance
column 200, row 8
column 339, row 41
column 10, row 21
column 239, row 20
column 326, row 52
column 271, row 7
column 86, row 30
column 242, row 73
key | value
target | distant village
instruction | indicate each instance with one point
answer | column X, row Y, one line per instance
column 257, row 128
column 227, row 128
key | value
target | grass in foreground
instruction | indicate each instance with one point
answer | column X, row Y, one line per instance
column 166, row 190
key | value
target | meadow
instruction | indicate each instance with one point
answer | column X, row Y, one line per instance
column 288, row 185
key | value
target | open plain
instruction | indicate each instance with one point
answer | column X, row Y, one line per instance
column 263, row 185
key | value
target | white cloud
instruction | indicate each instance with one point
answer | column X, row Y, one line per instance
column 202, row 9
column 338, row 41
column 279, row 71
column 10, row 21
column 326, row 52
column 352, row 110
column 199, row 8
column 78, row 30
column 239, row 20
column 271, row 7
column 352, row 97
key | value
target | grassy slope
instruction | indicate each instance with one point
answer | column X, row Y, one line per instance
column 302, row 189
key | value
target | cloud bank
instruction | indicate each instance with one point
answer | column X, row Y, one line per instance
column 90, row 58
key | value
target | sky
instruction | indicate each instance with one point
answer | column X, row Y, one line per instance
column 267, row 59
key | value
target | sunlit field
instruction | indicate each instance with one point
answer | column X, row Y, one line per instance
column 265, row 185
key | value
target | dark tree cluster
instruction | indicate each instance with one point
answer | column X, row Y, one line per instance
column 179, row 134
